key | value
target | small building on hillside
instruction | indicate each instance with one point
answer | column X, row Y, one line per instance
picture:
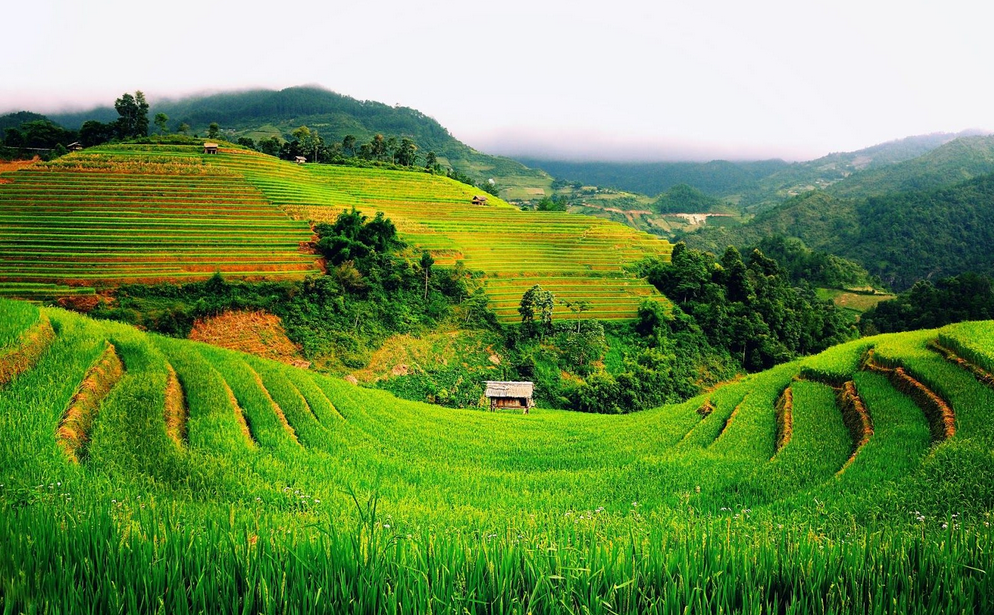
column 210, row 148
column 517, row 395
column 479, row 200
column 300, row 159
column 75, row 146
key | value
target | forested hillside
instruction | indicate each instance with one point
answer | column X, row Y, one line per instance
column 266, row 113
column 756, row 185
column 953, row 162
column 900, row 237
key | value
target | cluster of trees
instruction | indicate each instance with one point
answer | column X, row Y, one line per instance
column 685, row 199
column 554, row 203
column 132, row 122
column 660, row 359
column 380, row 151
column 748, row 307
column 968, row 296
column 40, row 133
column 307, row 142
column 374, row 288
column 807, row 267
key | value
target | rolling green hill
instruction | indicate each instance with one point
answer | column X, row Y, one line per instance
column 900, row 237
column 266, row 113
column 157, row 474
column 153, row 213
column 757, row 185
column 952, row 163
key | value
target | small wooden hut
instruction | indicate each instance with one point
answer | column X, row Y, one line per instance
column 210, row 148
column 516, row 395
column 300, row 159
column 479, row 200
column 75, row 146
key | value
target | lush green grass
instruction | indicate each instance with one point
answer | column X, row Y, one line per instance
column 361, row 502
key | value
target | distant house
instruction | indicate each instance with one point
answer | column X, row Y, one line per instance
column 75, row 146
column 516, row 395
column 210, row 148
column 479, row 200
column 300, row 159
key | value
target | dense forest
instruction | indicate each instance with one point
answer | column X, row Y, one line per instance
column 928, row 305
column 899, row 238
column 717, row 177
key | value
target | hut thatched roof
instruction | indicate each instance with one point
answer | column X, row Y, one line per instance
column 210, row 145
column 509, row 389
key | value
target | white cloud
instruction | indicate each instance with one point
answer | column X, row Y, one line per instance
column 735, row 79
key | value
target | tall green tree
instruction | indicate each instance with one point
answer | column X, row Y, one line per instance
column 133, row 112
column 536, row 309
column 426, row 264
column 213, row 131
column 348, row 146
column 161, row 119
column 406, row 154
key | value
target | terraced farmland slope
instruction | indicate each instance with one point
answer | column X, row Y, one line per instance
column 172, row 475
column 129, row 213
column 102, row 218
column 576, row 257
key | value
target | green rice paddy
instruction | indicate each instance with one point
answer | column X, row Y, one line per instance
column 290, row 492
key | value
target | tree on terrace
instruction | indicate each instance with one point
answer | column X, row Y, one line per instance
column 161, row 119
column 537, row 302
column 133, row 112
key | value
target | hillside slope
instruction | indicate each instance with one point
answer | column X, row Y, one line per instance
column 212, row 475
column 265, row 113
column 953, row 162
column 166, row 213
column 900, row 237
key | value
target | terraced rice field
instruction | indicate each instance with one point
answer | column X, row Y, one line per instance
column 97, row 219
column 169, row 475
column 576, row 257
column 151, row 213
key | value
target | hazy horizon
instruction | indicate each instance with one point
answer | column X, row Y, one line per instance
column 571, row 81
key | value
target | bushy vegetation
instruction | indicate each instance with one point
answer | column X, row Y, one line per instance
column 899, row 238
column 748, row 308
column 371, row 292
column 331, row 497
column 687, row 199
column 805, row 266
column 929, row 305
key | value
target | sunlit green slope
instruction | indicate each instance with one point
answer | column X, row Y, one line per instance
column 158, row 469
column 152, row 213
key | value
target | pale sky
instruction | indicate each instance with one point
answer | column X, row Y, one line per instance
column 612, row 79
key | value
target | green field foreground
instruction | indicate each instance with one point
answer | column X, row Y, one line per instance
column 146, row 474
column 168, row 213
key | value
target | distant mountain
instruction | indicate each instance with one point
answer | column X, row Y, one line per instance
column 954, row 161
column 716, row 178
column 900, row 237
column 13, row 120
column 262, row 113
column 843, row 168
column 755, row 186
